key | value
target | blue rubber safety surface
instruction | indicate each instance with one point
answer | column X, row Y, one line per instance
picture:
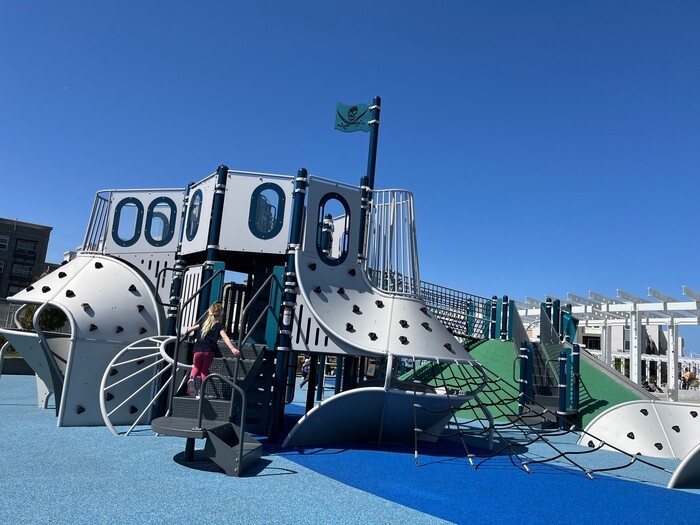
column 85, row 475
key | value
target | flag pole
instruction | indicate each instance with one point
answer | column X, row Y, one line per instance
column 367, row 182
column 373, row 138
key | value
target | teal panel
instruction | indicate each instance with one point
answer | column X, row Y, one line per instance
column 570, row 326
column 217, row 283
column 273, row 314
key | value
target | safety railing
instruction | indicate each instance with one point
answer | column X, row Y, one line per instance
column 465, row 314
column 97, row 227
column 392, row 256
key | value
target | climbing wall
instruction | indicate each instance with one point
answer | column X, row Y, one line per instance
column 108, row 305
column 652, row 428
column 358, row 317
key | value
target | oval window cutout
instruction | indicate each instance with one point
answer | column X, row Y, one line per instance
column 193, row 215
column 128, row 217
column 160, row 221
column 333, row 230
column 266, row 211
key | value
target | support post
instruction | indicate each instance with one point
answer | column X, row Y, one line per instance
column 365, row 206
column 635, row 347
column 563, row 402
column 524, row 358
column 313, row 377
column 493, row 317
column 375, row 108
column 321, row 379
column 672, row 367
column 217, row 214
column 504, row 318
column 556, row 317
column 606, row 344
column 575, row 377
column 288, row 305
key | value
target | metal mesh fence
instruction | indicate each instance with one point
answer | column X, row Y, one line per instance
column 464, row 314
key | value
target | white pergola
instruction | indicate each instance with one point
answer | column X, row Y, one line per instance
column 631, row 311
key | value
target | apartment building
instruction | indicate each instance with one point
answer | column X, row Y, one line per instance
column 23, row 248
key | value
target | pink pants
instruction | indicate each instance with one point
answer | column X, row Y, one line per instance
column 201, row 363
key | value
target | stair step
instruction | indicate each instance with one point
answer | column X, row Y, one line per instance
column 548, row 401
column 183, row 426
column 234, row 455
column 541, row 420
column 248, row 350
column 212, row 409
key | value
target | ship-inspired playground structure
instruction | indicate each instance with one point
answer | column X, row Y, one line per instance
column 308, row 266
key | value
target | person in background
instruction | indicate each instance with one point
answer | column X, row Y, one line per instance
column 205, row 347
column 687, row 377
column 305, row 372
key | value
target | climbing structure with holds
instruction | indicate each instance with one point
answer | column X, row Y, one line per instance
column 108, row 304
column 359, row 317
column 651, row 428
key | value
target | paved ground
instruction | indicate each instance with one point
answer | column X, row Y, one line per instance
column 85, row 475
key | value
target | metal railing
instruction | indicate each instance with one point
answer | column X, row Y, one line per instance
column 97, row 227
column 464, row 314
column 392, row 254
column 7, row 313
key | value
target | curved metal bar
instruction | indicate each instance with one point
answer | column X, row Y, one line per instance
column 2, row 354
column 159, row 342
column 244, row 312
column 255, row 325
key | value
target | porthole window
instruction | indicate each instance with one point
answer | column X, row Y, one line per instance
column 128, row 218
column 266, row 211
column 160, row 221
column 333, row 230
column 193, row 215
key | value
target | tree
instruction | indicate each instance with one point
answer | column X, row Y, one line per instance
column 51, row 319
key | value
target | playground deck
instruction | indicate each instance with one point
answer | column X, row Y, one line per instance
column 85, row 475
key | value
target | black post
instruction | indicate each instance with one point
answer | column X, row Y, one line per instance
column 213, row 240
column 493, row 316
column 563, row 401
column 524, row 360
column 373, row 140
column 504, row 318
column 365, row 205
column 575, row 377
column 288, row 305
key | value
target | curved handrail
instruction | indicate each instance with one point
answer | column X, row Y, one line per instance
column 2, row 354
column 160, row 342
column 180, row 308
column 255, row 325
column 244, row 312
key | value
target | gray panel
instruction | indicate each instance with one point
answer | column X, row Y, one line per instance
column 687, row 474
column 235, row 232
column 652, row 428
column 373, row 414
column 357, row 316
column 201, row 238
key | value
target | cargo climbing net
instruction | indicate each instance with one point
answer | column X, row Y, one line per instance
column 496, row 421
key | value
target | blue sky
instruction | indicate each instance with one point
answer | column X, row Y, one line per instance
column 552, row 146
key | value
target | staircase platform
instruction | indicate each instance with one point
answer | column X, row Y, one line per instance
column 184, row 426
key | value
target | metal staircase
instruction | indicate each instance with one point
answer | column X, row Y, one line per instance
column 542, row 405
column 234, row 401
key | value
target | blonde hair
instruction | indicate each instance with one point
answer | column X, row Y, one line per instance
column 214, row 314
